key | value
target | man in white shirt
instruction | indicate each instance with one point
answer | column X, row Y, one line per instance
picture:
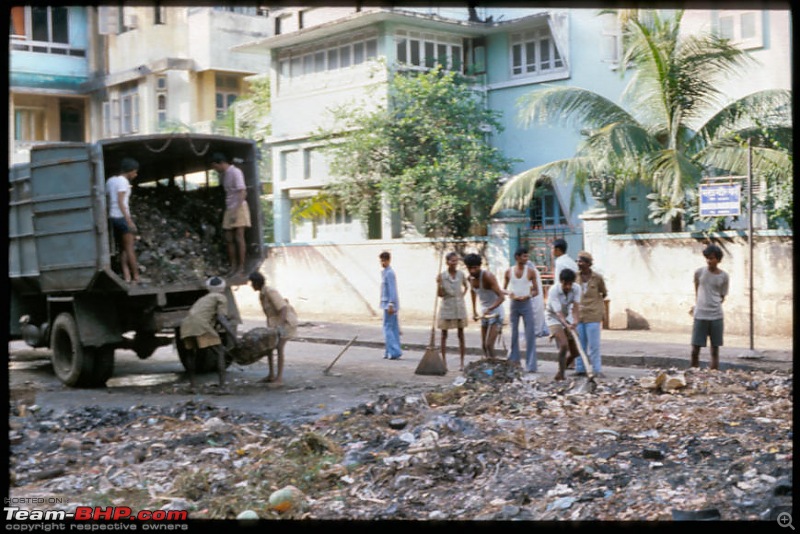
column 563, row 300
column 118, row 189
column 562, row 260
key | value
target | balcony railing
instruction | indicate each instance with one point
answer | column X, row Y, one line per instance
column 23, row 44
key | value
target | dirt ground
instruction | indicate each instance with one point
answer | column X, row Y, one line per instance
column 373, row 440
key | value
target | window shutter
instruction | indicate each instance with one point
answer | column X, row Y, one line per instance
column 106, row 119
column 135, row 112
column 559, row 29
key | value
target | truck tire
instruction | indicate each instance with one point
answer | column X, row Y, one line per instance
column 206, row 360
column 72, row 364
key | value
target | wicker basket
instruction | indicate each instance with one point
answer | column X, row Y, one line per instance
column 254, row 345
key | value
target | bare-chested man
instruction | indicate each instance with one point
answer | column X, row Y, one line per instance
column 484, row 288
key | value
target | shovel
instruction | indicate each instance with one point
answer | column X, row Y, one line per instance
column 590, row 385
column 327, row 370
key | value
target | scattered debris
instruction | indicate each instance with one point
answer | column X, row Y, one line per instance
column 495, row 447
column 664, row 381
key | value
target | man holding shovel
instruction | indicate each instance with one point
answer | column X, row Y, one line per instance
column 563, row 297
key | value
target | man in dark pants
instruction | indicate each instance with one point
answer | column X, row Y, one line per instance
column 198, row 329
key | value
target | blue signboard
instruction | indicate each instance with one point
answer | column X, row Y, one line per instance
column 720, row 200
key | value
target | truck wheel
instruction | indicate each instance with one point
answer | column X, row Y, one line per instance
column 71, row 364
column 103, row 366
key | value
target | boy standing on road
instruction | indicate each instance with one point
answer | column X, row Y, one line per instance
column 710, row 289
column 390, row 304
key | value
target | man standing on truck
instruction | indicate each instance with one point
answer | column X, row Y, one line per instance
column 118, row 189
column 237, row 212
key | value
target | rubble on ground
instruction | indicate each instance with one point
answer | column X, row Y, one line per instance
column 179, row 237
column 497, row 446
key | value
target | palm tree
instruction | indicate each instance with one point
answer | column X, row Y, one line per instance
column 672, row 127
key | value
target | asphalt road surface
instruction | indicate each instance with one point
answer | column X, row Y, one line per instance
column 359, row 376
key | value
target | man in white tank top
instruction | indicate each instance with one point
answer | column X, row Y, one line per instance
column 520, row 286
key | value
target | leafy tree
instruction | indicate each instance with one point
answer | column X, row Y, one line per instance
column 670, row 129
column 427, row 150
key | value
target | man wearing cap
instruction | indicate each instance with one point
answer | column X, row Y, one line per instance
column 198, row 329
column 593, row 293
column 118, row 189
column 237, row 212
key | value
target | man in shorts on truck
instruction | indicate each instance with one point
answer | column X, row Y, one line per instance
column 237, row 213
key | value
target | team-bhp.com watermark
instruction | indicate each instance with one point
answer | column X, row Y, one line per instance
column 93, row 518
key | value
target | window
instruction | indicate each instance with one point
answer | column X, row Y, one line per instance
column 534, row 53
column 328, row 57
column 29, row 124
column 161, row 99
column 611, row 44
column 226, row 92
column 742, row 28
column 121, row 112
column 42, row 29
column 129, row 102
column 241, row 10
column 425, row 51
column 545, row 208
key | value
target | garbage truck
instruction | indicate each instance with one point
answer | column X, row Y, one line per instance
column 66, row 290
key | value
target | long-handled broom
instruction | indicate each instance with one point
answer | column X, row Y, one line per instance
column 432, row 362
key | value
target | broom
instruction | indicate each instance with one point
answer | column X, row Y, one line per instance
column 432, row 363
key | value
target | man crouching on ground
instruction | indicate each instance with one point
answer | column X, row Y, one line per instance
column 281, row 315
column 198, row 330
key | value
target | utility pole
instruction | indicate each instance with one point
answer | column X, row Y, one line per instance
column 752, row 353
column 750, row 229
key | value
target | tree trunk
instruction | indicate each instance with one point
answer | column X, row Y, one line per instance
column 677, row 223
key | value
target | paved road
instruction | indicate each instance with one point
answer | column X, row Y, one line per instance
column 359, row 376
column 620, row 348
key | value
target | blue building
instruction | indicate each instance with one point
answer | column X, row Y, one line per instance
column 50, row 52
column 325, row 57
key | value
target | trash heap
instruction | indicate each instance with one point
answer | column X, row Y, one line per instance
column 179, row 237
column 671, row 446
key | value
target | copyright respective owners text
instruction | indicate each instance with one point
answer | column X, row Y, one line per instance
column 45, row 514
